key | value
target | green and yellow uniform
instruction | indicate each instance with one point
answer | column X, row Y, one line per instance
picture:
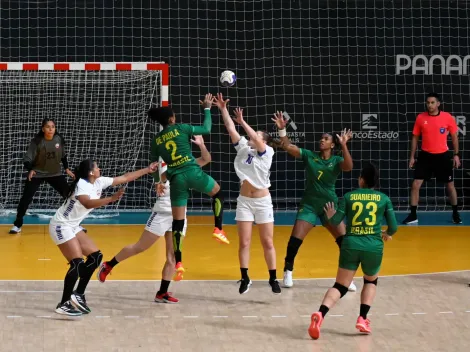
column 364, row 210
column 173, row 145
column 321, row 179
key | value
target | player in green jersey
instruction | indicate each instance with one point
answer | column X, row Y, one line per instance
column 322, row 170
column 173, row 145
column 364, row 209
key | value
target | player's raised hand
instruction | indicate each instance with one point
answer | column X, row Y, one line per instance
column 345, row 136
column 118, row 195
column 207, row 102
column 153, row 167
column 220, row 102
column 238, row 115
column 279, row 120
column 329, row 209
column 198, row 140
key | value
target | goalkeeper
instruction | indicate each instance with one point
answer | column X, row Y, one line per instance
column 173, row 145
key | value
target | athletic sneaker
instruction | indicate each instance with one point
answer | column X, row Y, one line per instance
column 455, row 218
column 287, row 281
column 410, row 219
column 165, row 298
column 352, row 287
column 14, row 230
column 314, row 328
column 80, row 302
column 219, row 235
column 275, row 287
column 103, row 271
column 363, row 325
column 179, row 272
column 67, row 309
column 244, row 286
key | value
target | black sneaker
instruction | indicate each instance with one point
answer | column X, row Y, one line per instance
column 456, row 218
column 410, row 219
column 275, row 287
column 67, row 309
column 244, row 286
column 80, row 302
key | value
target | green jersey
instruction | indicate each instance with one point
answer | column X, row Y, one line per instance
column 365, row 209
column 173, row 145
column 321, row 177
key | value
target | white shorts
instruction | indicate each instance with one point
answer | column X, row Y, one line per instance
column 159, row 223
column 63, row 233
column 259, row 210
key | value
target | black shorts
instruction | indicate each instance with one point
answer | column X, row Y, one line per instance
column 440, row 166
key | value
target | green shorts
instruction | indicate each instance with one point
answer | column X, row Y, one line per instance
column 311, row 214
column 181, row 183
column 350, row 259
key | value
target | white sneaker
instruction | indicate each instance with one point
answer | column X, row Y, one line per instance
column 287, row 281
column 352, row 287
column 15, row 230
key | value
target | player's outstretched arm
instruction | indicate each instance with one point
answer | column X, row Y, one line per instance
column 97, row 203
column 229, row 125
column 206, row 127
column 259, row 143
column 347, row 163
column 205, row 157
column 290, row 148
column 131, row 176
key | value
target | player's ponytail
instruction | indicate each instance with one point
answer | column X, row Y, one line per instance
column 82, row 171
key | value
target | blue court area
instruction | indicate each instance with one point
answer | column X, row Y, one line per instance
column 431, row 218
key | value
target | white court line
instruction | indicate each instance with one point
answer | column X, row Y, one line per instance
column 191, row 316
column 220, row 316
column 278, row 316
column 337, row 315
column 29, row 291
column 391, row 314
column 249, row 316
column 305, row 316
column 43, row 316
column 446, row 312
column 132, row 317
column 161, row 316
column 102, row 316
column 467, row 311
column 14, row 316
column 418, row 313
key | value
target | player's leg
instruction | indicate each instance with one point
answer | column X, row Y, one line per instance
column 423, row 171
column 305, row 221
column 163, row 296
column 93, row 261
column 244, row 229
column 59, row 183
column 348, row 263
column 69, row 245
column 370, row 262
column 445, row 173
column 30, row 189
column 264, row 218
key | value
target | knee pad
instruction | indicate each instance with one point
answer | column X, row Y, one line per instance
column 94, row 259
column 75, row 266
column 177, row 226
column 371, row 282
column 342, row 289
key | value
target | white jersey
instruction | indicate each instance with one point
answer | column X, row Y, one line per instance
column 252, row 166
column 72, row 212
column 163, row 203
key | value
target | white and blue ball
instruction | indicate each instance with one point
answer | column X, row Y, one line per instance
column 228, row 78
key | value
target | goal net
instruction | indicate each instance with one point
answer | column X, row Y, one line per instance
column 99, row 109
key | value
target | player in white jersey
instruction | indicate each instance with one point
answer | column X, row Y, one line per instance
column 252, row 165
column 158, row 225
column 64, row 229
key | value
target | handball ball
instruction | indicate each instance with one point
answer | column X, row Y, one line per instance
column 228, row 78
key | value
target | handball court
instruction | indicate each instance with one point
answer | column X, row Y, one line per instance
column 422, row 303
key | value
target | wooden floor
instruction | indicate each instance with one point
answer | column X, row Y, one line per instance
column 411, row 312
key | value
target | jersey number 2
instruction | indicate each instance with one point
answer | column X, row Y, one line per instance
column 171, row 145
column 358, row 208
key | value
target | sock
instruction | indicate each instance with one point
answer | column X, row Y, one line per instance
column 71, row 278
column 244, row 272
column 164, row 287
column 177, row 228
column 272, row 275
column 113, row 262
column 413, row 209
column 218, row 209
column 454, row 209
column 364, row 310
column 292, row 249
column 323, row 310
column 339, row 241
column 87, row 269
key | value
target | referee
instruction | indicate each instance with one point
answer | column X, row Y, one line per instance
column 434, row 159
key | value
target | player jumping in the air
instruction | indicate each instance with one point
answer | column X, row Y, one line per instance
column 364, row 209
column 322, row 170
column 158, row 225
column 173, row 145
